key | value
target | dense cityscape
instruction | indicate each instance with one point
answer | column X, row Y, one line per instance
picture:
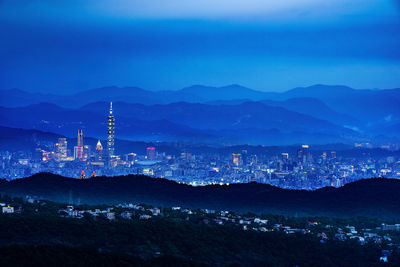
column 303, row 169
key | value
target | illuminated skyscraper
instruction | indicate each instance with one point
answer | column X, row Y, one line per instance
column 110, row 133
column 303, row 154
column 80, row 138
column 61, row 148
column 78, row 149
column 99, row 151
column 236, row 159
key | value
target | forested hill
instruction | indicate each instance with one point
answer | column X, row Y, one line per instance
column 377, row 198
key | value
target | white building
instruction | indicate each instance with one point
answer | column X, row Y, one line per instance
column 110, row 215
column 8, row 209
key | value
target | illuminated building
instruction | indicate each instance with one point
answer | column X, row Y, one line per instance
column 151, row 153
column 78, row 149
column 333, row 154
column 96, row 163
column 45, row 155
column 99, row 151
column 303, row 154
column 78, row 152
column 80, row 138
column 236, row 159
column 284, row 163
column 110, row 133
column 300, row 154
column 254, row 160
column 114, row 162
column 148, row 171
column 306, row 151
column 86, row 152
column 61, row 148
column 131, row 158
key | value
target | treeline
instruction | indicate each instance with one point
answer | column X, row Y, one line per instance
column 41, row 236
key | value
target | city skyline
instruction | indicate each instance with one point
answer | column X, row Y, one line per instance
column 299, row 169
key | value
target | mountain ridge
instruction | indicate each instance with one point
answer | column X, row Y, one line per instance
column 377, row 198
column 244, row 123
column 368, row 111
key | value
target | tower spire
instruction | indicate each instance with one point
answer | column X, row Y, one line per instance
column 110, row 133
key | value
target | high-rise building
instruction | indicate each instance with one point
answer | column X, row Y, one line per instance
column 99, row 151
column 62, row 148
column 254, row 160
column 86, row 152
column 78, row 149
column 300, row 155
column 131, row 158
column 110, row 133
column 80, row 138
column 303, row 154
column 151, row 153
column 236, row 159
column 285, row 157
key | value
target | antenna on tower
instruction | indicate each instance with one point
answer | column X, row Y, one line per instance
column 110, row 107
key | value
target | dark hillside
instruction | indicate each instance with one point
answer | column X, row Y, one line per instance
column 377, row 198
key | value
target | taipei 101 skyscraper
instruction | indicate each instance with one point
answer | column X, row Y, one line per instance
column 110, row 133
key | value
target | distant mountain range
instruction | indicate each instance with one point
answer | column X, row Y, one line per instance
column 377, row 198
column 249, row 122
column 13, row 139
column 231, row 114
column 193, row 94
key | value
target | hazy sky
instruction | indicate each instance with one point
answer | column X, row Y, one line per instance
column 71, row 45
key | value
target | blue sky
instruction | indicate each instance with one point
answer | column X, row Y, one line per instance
column 66, row 46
